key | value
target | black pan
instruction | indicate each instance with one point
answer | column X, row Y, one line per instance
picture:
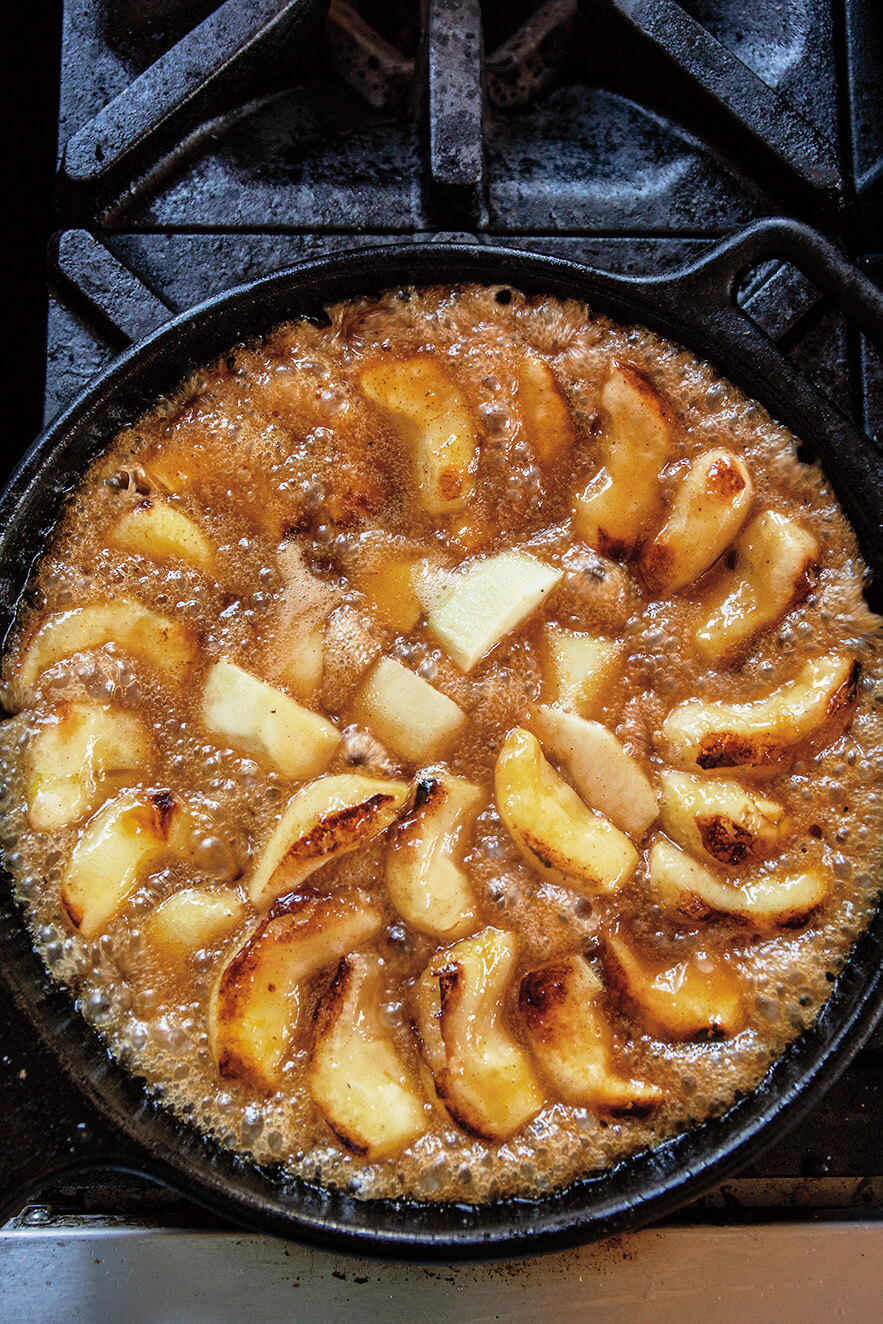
column 66, row 1105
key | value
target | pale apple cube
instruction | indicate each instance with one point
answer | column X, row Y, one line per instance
column 266, row 724
column 578, row 669
column 406, row 713
column 482, row 606
column 194, row 918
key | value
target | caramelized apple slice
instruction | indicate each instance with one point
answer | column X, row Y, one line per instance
column 158, row 531
column 74, row 754
column 157, row 640
column 711, row 504
column 773, row 568
column 562, row 1009
column 265, row 723
column 695, row 999
column 482, row 606
column 551, row 825
column 606, row 777
column 548, row 424
column 382, row 571
column 427, row 886
column 624, row 498
column 322, row 822
column 482, row 1076
column 115, row 850
column 427, row 407
column 817, row 701
column 192, row 918
column 406, row 713
column 578, row 669
column 255, row 1005
column 686, row 888
column 356, row 1076
column 719, row 821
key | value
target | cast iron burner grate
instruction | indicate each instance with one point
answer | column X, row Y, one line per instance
column 201, row 146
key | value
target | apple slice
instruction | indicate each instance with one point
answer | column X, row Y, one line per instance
column 157, row 640
column 819, row 700
column 193, row 918
column 73, row 757
column 548, row 424
column 771, row 568
column 427, row 408
column 491, row 599
column 719, row 821
column 158, row 531
column 562, row 1010
column 255, row 1004
column 322, row 822
column 686, row 889
column 578, row 669
column 427, row 886
column 295, row 646
column 712, row 502
column 382, row 570
column 550, row 824
column 406, row 713
column 481, row 1074
column 356, row 1076
column 625, row 498
column 115, row 849
column 606, row 777
column 694, row 999
column 351, row 645
column 263, row 722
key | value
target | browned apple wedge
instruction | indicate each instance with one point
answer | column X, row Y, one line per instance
column 426, row 406
column 712, row 502
column 115, row 850
column 426, row 883
column 157, row 640
column 769, row 570
column 817, row 702
column 562, row 1009
column 356, row 1077
column 552, row 827
column 624, row 499
column 323, row 821
column 482, row 1076
column 256, row 1003
column 720, row 821
column 694, row 999
column 158, row 531
column 687, row 889
column 548, row 424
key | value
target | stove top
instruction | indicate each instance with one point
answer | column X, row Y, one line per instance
column 203, row 145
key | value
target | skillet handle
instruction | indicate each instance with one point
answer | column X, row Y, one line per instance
column 743, row 352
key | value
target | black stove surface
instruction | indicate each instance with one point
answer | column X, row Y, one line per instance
column 201, row 145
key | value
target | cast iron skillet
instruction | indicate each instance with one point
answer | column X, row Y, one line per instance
column 66, row 1105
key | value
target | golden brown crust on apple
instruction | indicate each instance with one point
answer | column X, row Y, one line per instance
column 726, row 840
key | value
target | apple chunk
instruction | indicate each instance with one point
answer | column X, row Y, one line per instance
column 406, row 713
column 694, row 999
column 427, row 886
column 356, row 1076
column 158, row 531
column 481, row 1074
column 819, row 700
column 578, row 669
column 192, row 918
column 492, row 598
column 115, row 850
column 624, row 498
column 606, row 777
column 719, row 821
column 255, row 1004
column 73, row 758
column 562, row 1010
column 550, row 824
column 548, row 424
column 161, row 642
column 689, row 890
column 711, row 504
column 265, row 723
column 323, row 821
column 425, row 405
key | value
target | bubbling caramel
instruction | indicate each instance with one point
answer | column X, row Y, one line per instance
column 445, row 745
